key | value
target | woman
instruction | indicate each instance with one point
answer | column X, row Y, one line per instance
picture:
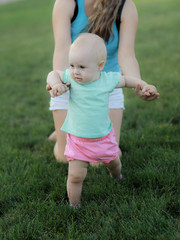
column 99, row 17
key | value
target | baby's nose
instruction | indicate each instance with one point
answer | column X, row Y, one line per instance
column 76, row 70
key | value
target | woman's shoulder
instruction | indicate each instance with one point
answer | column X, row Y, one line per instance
column 65, row 7
column 129, row 9
column 66, row 2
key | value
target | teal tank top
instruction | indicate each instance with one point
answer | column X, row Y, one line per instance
column 81, row 23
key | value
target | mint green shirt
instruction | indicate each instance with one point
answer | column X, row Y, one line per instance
column 88, row 110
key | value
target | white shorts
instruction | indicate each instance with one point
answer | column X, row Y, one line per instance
column 116, row 100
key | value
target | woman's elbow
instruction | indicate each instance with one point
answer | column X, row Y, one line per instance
column 126, row 59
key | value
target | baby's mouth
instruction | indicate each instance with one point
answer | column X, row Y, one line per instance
column 78, row 79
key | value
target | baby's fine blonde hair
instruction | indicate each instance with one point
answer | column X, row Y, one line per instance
column 95, row 44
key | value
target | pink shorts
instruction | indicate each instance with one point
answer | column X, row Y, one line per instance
column 103, row 149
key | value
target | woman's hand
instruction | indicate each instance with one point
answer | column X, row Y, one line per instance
column 147, row 92
column 49, row 89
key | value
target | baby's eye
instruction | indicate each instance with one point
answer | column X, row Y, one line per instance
column 82, row 67
column 71, row 65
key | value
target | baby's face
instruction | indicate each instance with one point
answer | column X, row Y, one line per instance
column 83, row 65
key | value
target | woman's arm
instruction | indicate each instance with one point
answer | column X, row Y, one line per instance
column 126, row 53
column 62, row 13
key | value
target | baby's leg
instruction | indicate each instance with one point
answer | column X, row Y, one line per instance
column 76, row 174
column 114, row 167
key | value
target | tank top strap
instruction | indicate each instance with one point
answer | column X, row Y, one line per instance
column 118, row 19
column 79, row 9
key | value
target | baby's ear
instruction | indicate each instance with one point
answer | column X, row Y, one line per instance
column 101, row 65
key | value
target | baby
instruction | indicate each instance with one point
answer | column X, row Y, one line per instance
column 90, row 134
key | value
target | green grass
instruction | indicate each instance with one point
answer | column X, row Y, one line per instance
column 33, row 200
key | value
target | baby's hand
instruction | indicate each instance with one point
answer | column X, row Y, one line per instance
column 59, row 88
column 147, row 92
column 55, row 86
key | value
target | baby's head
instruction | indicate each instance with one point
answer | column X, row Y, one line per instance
column 87, row 57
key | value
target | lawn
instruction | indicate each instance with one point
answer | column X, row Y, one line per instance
column 33, row 200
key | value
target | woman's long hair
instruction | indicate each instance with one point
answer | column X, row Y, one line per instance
column 103, row 16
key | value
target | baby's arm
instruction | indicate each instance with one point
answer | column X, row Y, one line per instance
column 54, row 80
column 132, row 82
